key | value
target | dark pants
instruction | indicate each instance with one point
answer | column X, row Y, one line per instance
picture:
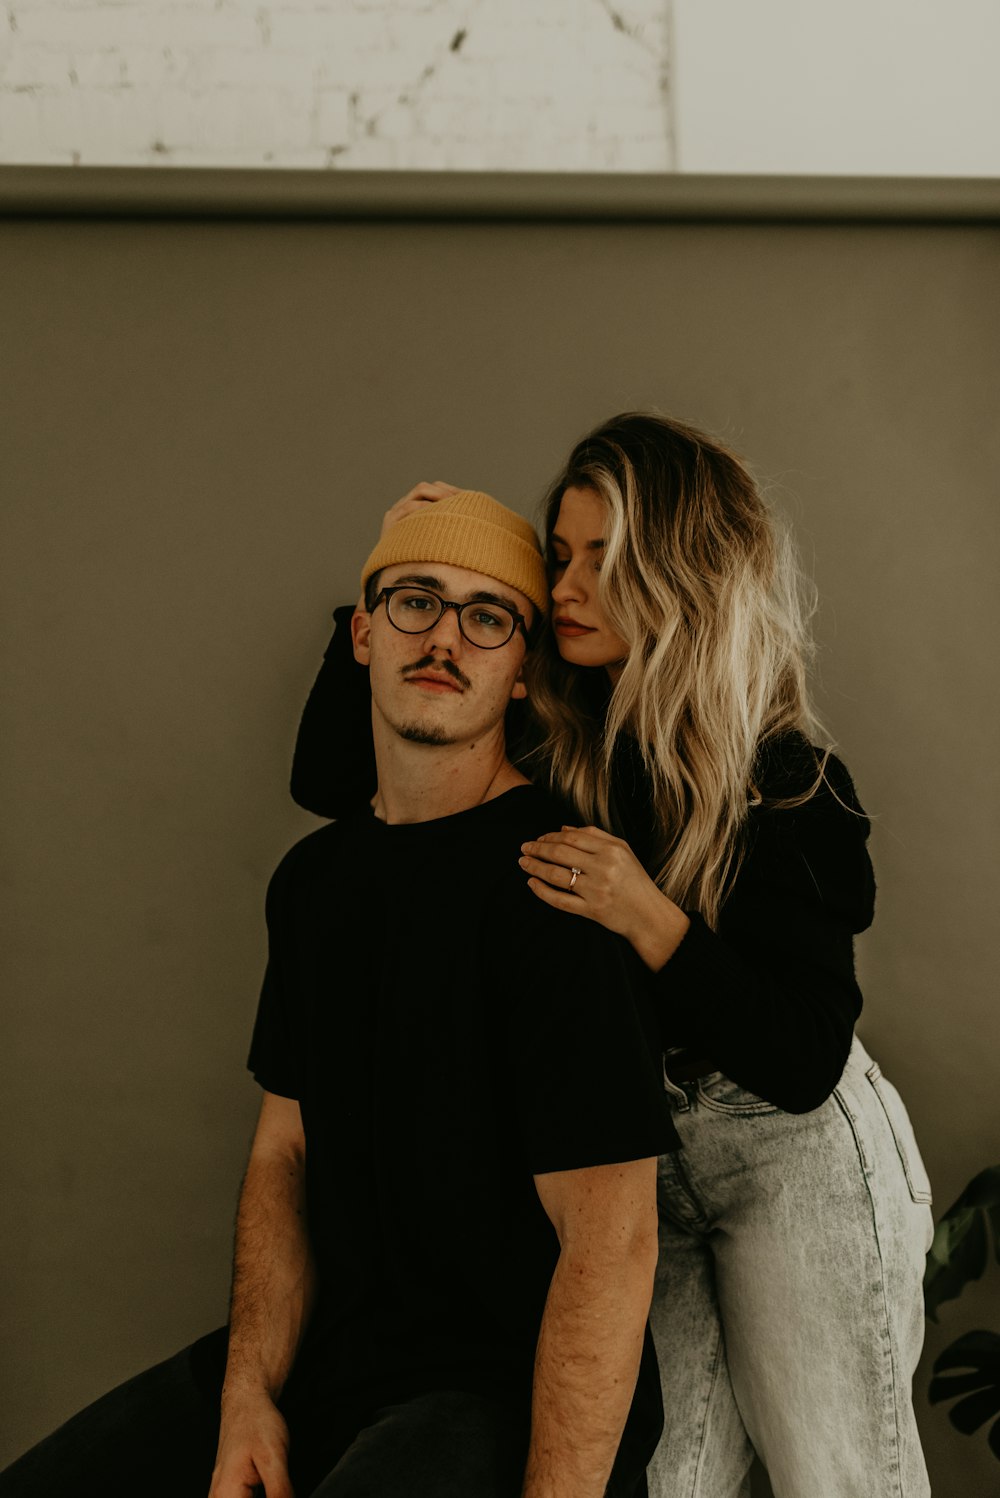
column 156, row 1436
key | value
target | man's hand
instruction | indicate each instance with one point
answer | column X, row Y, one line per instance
column 273, row 1286
column 418, row 498
column 253, row 1450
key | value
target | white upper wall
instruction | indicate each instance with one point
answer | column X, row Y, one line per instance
column 884, row 87
column 559, row 85
column 890, row 87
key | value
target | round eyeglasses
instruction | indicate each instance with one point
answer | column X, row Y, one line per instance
column 484, row 624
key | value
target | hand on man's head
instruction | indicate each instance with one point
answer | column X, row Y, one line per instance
column 419, row 497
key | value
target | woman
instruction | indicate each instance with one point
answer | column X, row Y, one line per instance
column 670, row 707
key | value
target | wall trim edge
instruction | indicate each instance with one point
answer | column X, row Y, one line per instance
column 225, row 193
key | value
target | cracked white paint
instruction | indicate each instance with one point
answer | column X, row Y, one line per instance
column 550, row 85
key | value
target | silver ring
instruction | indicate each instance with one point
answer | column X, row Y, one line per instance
column 576, row 874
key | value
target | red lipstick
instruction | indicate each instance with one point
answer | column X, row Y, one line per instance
column 570, row 628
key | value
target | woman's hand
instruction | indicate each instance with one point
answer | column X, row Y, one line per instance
column 611, row 887
column 418, row 498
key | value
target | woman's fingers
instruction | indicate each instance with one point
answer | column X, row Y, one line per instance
column 557, row 874
column 428, row 491
column 565, row 854
column 567, row 846
column 553, row 857
column 558, row 898
column 588, row 839
column 419, row 497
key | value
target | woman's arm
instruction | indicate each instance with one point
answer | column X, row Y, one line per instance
column 771, row 997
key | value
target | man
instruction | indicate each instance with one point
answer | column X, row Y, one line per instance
column 446, row 1235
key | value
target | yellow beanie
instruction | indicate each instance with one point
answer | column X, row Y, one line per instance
column 468, row 529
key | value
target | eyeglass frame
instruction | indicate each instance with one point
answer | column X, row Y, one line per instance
column 384, row 595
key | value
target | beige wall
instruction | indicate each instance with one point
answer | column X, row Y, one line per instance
column 203, row 423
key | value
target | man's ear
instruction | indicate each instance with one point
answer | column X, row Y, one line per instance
column 361, row 631
column 520, row 687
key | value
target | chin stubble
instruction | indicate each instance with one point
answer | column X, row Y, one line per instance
column 433, row 736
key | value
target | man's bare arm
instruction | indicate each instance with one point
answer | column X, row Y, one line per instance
column 592, row 1329
column 273, row 1282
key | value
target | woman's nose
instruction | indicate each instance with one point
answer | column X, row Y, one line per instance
column 566, row 588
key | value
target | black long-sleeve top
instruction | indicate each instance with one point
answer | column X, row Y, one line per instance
column 770, row 996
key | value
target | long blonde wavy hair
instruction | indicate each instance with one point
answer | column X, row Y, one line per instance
column 702, row 583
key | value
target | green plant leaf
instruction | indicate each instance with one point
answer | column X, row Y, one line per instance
column 979, row 1352
column 971, row 1350
column 960, row 1248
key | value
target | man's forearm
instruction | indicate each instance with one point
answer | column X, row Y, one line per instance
column 271, row 1300
column 586, row 1367
column 273, row 1278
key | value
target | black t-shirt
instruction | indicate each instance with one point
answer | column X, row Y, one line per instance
column 447, row 1036
column 770, row 995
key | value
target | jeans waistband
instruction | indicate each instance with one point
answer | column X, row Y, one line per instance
column 686, row 1066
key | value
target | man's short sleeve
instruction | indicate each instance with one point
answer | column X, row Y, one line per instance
column 581, row 1047
column 272, row 1058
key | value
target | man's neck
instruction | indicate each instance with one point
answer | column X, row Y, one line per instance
column 421, row 782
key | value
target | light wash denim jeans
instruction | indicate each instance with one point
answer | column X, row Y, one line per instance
column 788, row 1314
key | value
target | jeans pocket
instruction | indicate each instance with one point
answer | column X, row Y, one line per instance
column 720, row 1092
column 901, row 1129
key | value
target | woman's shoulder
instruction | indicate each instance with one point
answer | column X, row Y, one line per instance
column 792, row 774
column 808, row 829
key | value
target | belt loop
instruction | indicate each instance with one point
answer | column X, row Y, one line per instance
column 677, row 1094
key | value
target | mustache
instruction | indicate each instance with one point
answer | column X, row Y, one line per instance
column 445, row 665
